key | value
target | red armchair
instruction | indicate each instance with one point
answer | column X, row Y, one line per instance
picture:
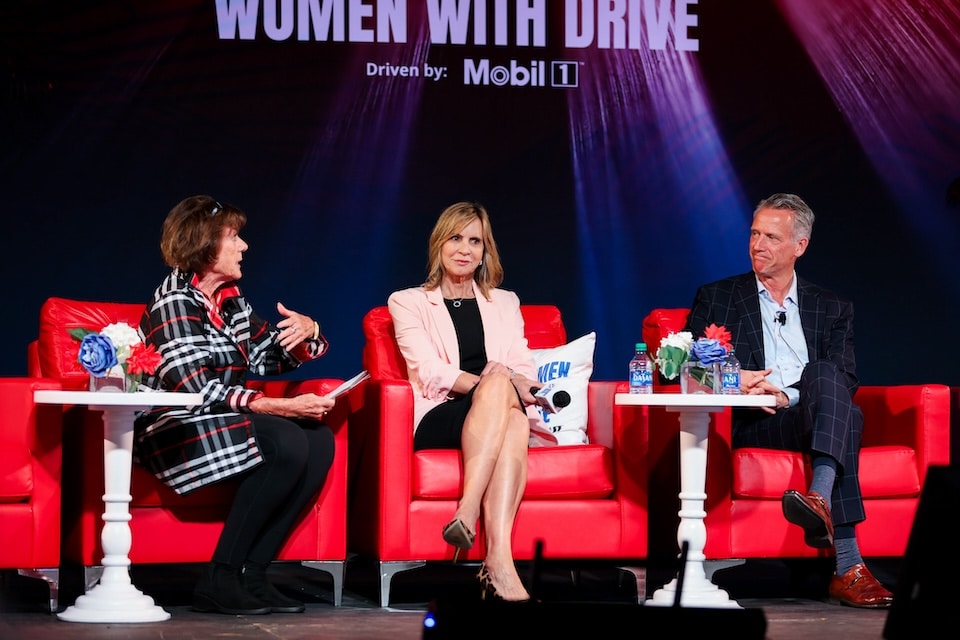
column 582, row 501
column 906, row 431
column 166, row 527
column 30, row 467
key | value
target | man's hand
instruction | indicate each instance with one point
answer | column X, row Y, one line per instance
column 766, row 388
column 755, row 383
column 750, row 381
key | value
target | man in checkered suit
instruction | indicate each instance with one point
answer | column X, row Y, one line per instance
column 794, row 340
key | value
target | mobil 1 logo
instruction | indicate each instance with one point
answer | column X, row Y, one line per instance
column 536, row 73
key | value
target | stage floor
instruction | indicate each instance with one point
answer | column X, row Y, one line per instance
column 789, row 596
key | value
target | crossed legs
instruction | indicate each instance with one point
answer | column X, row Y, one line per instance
column 494, row 442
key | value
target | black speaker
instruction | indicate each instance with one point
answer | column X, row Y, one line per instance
column 926, row 587
column 459, row 619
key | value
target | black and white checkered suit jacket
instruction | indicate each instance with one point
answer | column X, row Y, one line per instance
column 826, row 317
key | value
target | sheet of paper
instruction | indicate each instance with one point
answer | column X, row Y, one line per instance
column 349, row 384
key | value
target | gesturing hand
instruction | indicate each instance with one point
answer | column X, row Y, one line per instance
column 294, row 328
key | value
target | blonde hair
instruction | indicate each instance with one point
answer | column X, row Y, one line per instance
column 489, row 274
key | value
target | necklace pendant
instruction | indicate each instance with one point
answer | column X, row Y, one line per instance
column 457, row 303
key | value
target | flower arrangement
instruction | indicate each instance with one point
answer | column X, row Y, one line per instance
column 116, row 350
column 680, row 347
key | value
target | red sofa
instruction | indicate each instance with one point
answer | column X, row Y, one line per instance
column 30, row 468
column 166, row 527
column 906, row 431
column 583, row 501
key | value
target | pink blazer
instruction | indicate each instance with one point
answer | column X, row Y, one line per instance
column 428, row 343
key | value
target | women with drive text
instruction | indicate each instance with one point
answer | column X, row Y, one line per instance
column 472, row 373
column 278, row 449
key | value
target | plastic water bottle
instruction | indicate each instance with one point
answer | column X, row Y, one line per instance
column 641, row 370
column 730, row 375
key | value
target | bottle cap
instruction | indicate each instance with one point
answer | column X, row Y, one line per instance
column 641, row 346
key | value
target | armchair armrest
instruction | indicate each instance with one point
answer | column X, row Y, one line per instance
column 289, row 388
column 914, row 416
column 380, row 428
column 30, row 474
column 601, row 412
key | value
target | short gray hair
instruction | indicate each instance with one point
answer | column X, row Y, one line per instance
column 802, row 213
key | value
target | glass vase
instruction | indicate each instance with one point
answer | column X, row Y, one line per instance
column 696, row 377
column 116, row 381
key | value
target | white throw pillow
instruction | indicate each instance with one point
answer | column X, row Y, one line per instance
column 568, row 367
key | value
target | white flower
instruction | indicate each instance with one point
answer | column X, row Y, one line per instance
column 123, row 337
column 678, row 347
column 673, row 352
column 680, row 339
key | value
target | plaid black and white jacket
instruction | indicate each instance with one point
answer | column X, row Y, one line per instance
column 211, row 352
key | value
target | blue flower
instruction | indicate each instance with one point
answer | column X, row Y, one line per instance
column 708, row 351
column 97, row 354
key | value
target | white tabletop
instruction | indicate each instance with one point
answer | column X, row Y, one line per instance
column 118, row 398
column 700, row 400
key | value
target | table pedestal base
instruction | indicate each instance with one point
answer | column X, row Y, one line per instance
column 694, row 584
column 114, row 598
column 114, row 603
column 701, row 593
column 696, row 590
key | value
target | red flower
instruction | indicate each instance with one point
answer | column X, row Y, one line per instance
column 142, row 359
column 720, row 334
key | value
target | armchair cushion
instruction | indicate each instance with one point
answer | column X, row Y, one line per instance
column 569, row 367
column 553, row 472
column 889, row 471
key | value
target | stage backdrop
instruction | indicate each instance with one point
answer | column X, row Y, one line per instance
column 619, row 145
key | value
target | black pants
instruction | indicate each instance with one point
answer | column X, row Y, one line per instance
column 296, row 459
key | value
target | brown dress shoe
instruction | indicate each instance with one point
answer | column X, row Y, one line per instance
column 858, row 588
column 812, row 513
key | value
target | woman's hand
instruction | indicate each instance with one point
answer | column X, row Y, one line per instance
column 294, row 328
column 526, row 387
column 307, row 405
column 523, row 384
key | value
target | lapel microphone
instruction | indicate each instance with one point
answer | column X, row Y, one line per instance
column 781, row 317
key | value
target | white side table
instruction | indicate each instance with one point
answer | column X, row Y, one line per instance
column 694, row 410
column 114, row 598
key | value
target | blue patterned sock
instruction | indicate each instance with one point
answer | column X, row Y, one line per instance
column 848, row 552
column 824, row 475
